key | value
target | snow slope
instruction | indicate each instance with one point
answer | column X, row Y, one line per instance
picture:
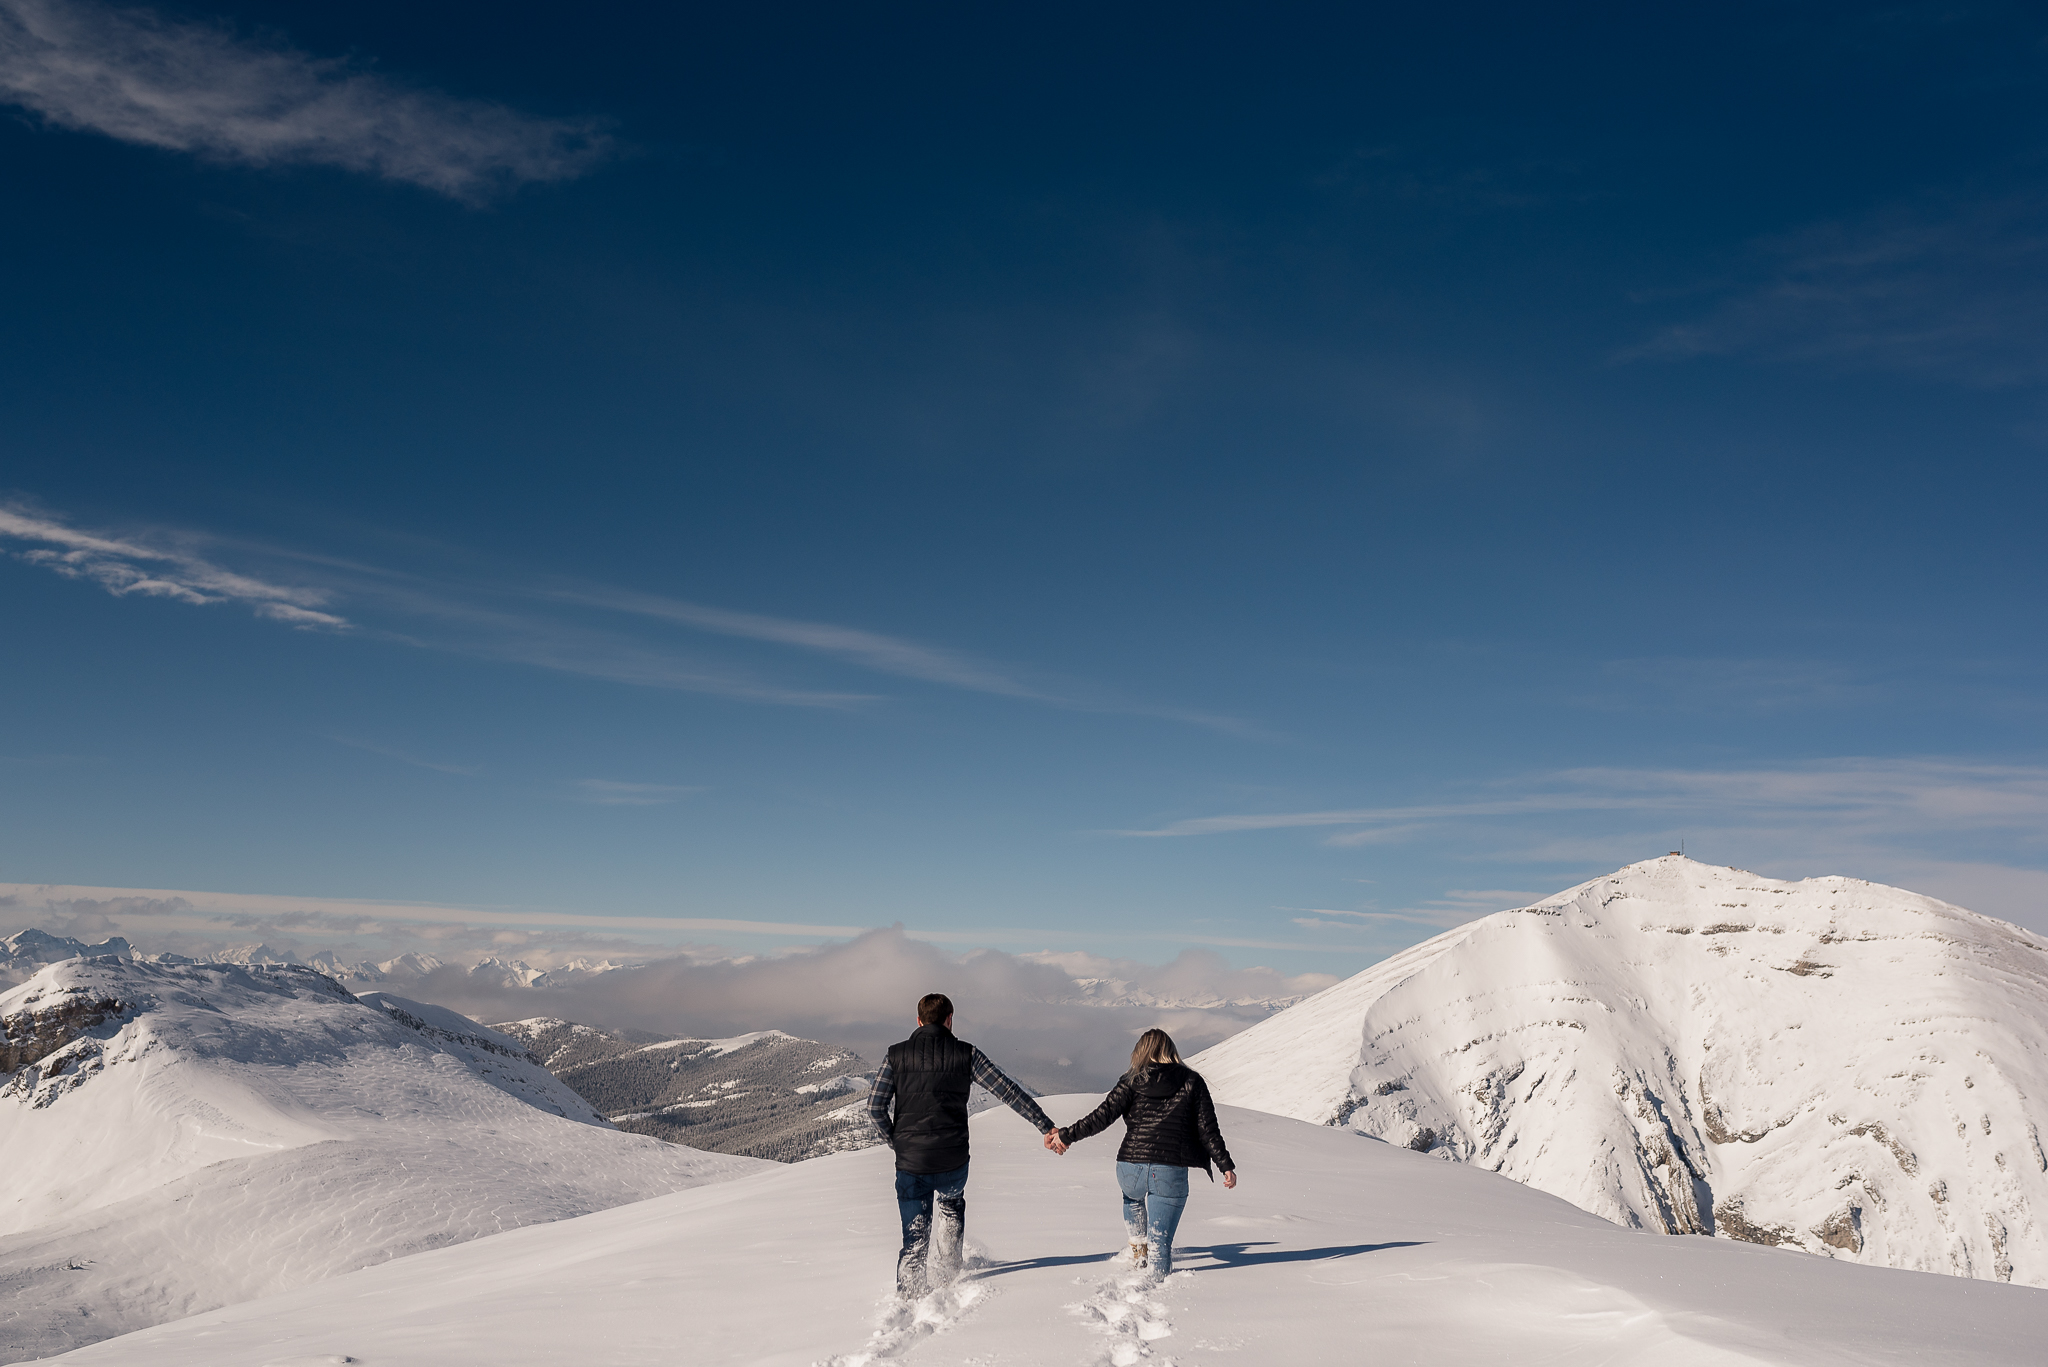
column 1830, row 1065
column 181, row 1137
column 1334, row 1249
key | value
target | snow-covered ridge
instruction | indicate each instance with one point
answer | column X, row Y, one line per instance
column 716, row 1047
column 183, row 1136
column 1830, row 1065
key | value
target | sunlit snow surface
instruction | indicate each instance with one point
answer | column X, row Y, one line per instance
column 1334, row 1249
column 229, row 1132
column 1831, row 1065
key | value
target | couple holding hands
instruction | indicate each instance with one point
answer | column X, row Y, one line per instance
column 1169, row 1127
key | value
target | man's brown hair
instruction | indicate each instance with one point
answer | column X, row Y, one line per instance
column 934, row 1008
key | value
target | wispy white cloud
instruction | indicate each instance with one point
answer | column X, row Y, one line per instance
column 493, row 614
column 893, row 655
column 868, row 649
column 1454, row 908
column 479, row 623
column 1370, row 820
column 1702, row 684
column 1964, row 830
column 604, row 792
column 388, row 752
column 202, row 88
column 392, row 925
column 1956, row 291
column 1875, row 792
column 126, row 566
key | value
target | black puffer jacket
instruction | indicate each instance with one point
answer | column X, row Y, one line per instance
column 1168, row 1119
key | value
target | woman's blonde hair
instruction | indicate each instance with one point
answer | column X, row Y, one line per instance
column 1154, row 1046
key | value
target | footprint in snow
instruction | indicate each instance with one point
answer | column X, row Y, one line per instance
column 1126, row 1310
column 899, row 1323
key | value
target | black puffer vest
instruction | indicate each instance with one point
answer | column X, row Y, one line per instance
column 1168, row 1119
column 934, row 1073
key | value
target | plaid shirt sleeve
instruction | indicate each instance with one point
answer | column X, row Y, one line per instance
column 1009, row 1093
column 879, row 1099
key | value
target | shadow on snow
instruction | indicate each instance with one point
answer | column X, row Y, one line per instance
column 1027, row 1264
column 1240, row 1255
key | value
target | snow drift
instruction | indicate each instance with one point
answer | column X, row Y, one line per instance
column 178, row 1137
column 1828, row 1065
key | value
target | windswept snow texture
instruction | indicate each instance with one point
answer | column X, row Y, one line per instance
column 1334, row 1250
column 174, row 1138
column 1828, row 1065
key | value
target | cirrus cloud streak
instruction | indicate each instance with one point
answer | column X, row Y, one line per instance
column 123, row 567
column 202, row 88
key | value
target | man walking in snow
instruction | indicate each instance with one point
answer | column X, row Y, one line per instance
column 928, row 1076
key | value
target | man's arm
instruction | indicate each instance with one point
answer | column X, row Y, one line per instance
column 878, row 1102
column 1009, row 1093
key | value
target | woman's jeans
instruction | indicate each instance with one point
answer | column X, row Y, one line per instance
column 1154, row 1196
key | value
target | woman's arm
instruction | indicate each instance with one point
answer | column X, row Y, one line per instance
column 1096, row 1121
column 1212, row 1135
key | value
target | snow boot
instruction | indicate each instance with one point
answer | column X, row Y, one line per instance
column 1139, row 1252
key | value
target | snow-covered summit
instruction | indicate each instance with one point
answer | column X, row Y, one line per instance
column 25, row 951
column 184, row 1136
column 1831, row 1065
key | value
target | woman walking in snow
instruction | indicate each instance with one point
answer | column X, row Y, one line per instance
column 1169, row 1127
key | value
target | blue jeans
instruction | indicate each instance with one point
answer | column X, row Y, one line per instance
column 1154, row 1196
column 934, row 1210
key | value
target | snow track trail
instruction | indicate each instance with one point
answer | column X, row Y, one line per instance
column 1128, row 1310
column 1332, row 1247
column 899, row 1326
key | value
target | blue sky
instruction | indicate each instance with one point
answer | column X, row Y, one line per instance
column 1277, row 479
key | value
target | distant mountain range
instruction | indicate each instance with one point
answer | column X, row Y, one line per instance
column 1828, row 1065
column 22, row 953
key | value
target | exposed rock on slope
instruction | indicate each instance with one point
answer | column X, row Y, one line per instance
column 767, row 1094
column 175, row 1138
column 1829, row 1065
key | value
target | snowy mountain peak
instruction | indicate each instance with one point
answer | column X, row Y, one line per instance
column 35, row 947
column 182, row 1136
column 1829, row 1064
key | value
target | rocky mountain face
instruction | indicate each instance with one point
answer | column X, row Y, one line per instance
column 766, row 1095
column 1828, row 1065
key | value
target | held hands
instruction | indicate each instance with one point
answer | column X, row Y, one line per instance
column 1052, row 1141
